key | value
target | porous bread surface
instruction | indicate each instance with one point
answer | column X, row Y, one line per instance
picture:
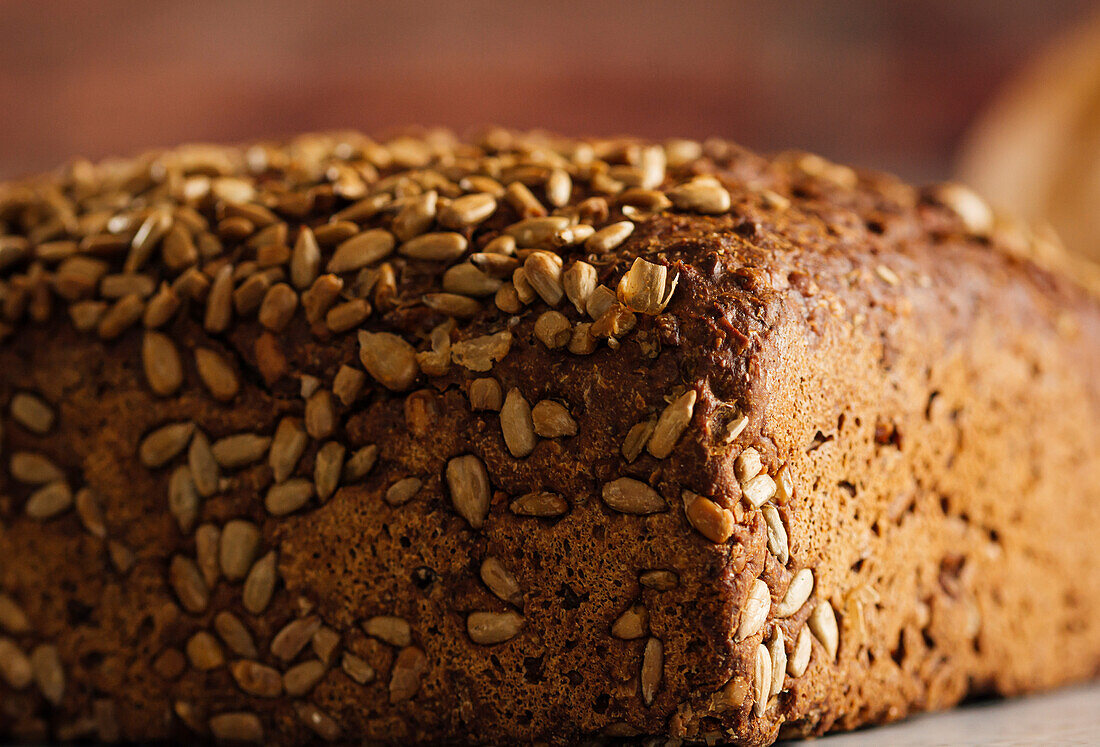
column 911, row 377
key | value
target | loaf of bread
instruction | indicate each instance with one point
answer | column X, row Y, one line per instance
column 526, row 439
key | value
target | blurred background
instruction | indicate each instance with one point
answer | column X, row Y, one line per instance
column 891, row 85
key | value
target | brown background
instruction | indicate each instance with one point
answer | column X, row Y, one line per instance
column 875, row 82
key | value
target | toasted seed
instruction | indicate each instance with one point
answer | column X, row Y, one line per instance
column 122, row 285
column 219, row 302
column 559, row 187
column 235, row 635
column 187, row 582
column 609, row 237
column 636, row 439
column 12, row 617
column 207, row 540
column 467, row 280
column 674, row 419
column 163, row 369
column 631, row 496
column 408, row 669
column 257, row 679
column 485, row 394
column 290, row 441
column 468, row 210
column 525, row 292
column 758, row 490
column 389, row 359
column 165, row 444
column 35, row 469
column 799, row 659
column 240, row 449
column 468, row 482
column 822, row 623
column 490, row 628
column 15, row 667
column 327, row 467
column 237, row 727
column 552, row 328
column 301, row 678
column 86, row 315
column 539, row 503
column 183, row 498
column 503, row 244
column 403, row 491
column 600, row 301
column 496, row 265
column 579, row 281
column 49, row 675
column 416, row 216
column 305, row 260
column 32, row 413
column 122, row 557
column 346, row 316
column 747, row 465
column 361, row 250
column 324, row 643
column 701, row 195
column 348, row 384
column 239, row 547
column 799, row 590
column 552, row 420
column 356, row 668
column 452, row 304
column 204, row 652
column 479, row 353
column 543, row 271
column 204, row 467
column 506, row 298
column 287, row 497
column 278, row 307
column 632, row 624
column 537, row 231
column 976, row 215
column 777, row 651
column 294, row 636
column 517, row 424
column 260, row 584
column 653, row 664
column 784, row 485
column 519, row 196
column 755, row 612
column 320, row 722
column 659, row 579
column 646, row 287
column 650, row 200
column 777, row 534
column 320, row 415
column 501, row 582
column 49, row 501
column 710, row 519
column 360, row 463
column 149, row 234
column 393, row 630
column 761, row 680
column 435, row 247
column 320, row 297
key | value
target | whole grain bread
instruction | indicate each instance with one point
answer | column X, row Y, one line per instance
column 527, row 439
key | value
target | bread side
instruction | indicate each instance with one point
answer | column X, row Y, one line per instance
column 400, row 476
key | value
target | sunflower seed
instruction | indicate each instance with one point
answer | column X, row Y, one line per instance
column 257, row 679
column 517, row 425
column 525, row 292
column 389, row 359
column 701, row 195
column 755, row 612
column 500, row 266
column 710, row 519
column 747, row 465
column 49, row 675
column 346, row 316
column 327, row 468
column 86, row 315
column 559, row 188
column 187, row 582
column 579, row 281
column 393, row 630
column 540, row 503
column 324, row 643
column 408, row 669
column 250, row 294
column 537, row 231
column 240, row 726
column 674, row 419
column 799, row 660
column 972, row 210
column 784, row 485
column 649, row 200
column 467, row 280
column 204, row 467
column 485, row 394
column 235, row 635
column 49, row 501
column 204, row 652
column 403, row 491
column 552, row 328
column 15, row 667
column 501, row 582
column 219, row 302
column 636, row 439
column 240, row 449
column 552, row 420
column 491, row 628
column 360, row 463
column 286, row 448
column 469, row 485
column 659, row 579
column 320, row 297
column 479, row 353
column 758, row 490
column 301, row 678
column 34, row 469
column 12, row 617
column 777, row 534
column 32, row 413
column 320, row 722
column 149, row 234
column 543, row 271
column 348, row 384
column 777, row 651
column 631, row 496
column 356, row 668
column 287, row 497
column 163, row 369
column 452, row 304
column 260, row 584
column 294, row 636
column 506, row 298
column 122, row 557
column 600, row 301
column 240, row 545
column 165, row 444
column 416, row 216
column 119, row 286
column 761, row 680
column 207, row 541
column 468, row 210
column 653, row 664
column 320, row 415
column 799, row 590
column 632, row 624
column 646, row 287
column 278, row 307
column 435, row 247
column 305, row 260
column 609, row 237
column 822, row 623
column 183, row 498
column 361, row 250
column 503, row 244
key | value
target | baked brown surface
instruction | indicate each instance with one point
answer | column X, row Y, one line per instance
column 815, row 422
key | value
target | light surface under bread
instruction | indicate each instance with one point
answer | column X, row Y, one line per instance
column 531, row 439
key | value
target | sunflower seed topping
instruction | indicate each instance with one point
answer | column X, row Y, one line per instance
column 758, row 490
column 356, row 668
column 653, row 665
column 609, row 237
column 163, row 369
column 403, row 491
column 762, row 680
column 799, row 659
column 822, row 623
column 517, row 424
column 294, row 636
column 207, row 539
column 305, row 260
column 235, row 635
column 799, row 590
column 485, row 394
column 49, row 675
column 34, row 469
column 15, row 667
column 543, row 271
column 183, row 498
column 469, row 486
column 632, row 624
column 240, row 545
column 491, row 628
column 408, row 669
column 552, row 420
column 187, row 582
column 204, row 467
column 361, row 250
column 747, row 465
column 389, row 359
column 165, row 444
column 672, row 423
column 287, row 447
column 480, row 353
column 301, row 678
column 327, row 468
column 755, row 612
column 539, row 503
column 777, row 534
column 32, row 413
column 579, row 281
column 631, row 496
column 237, row 727
column 12, row 617
column 360, row 463
column 259, row 585
column 287, row 497
column 701, row 195
column 501, row 582
column 393, row 630
column 204, row 652
column 435, row 247
column 710, row 519
column 257, row 679
column 468, row 210
column 240, row 450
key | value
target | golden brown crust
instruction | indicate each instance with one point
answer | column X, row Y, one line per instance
column 612, row 473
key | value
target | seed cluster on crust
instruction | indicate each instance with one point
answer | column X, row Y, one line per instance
column 337, row 232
